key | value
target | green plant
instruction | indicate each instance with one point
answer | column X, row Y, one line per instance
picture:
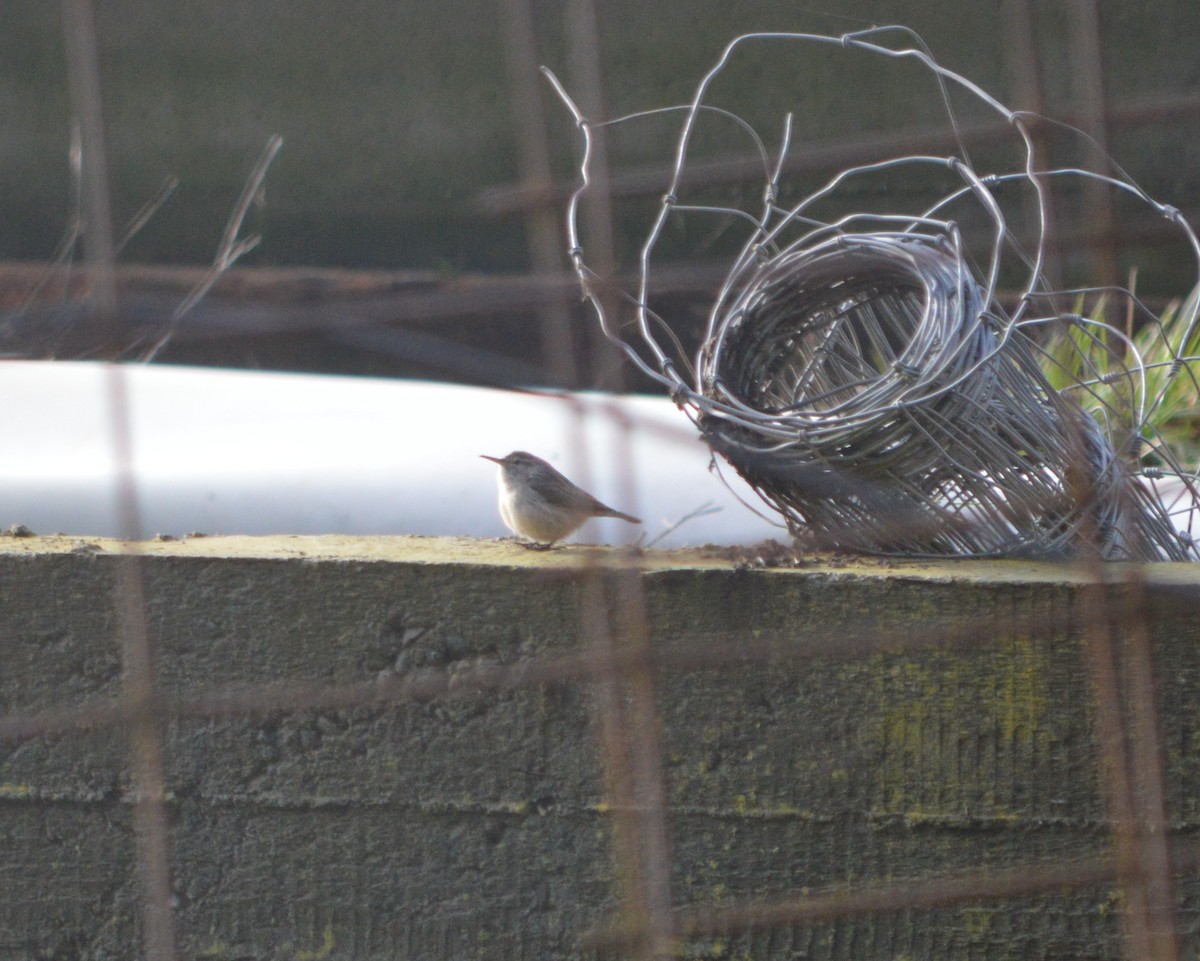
column 1144, row 378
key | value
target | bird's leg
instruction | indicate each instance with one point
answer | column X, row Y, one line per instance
column 536, row 545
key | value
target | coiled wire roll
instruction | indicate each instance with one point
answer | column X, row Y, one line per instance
column 869, row 385
column 881, row 407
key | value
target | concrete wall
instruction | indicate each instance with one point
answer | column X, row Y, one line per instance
column 478, row 826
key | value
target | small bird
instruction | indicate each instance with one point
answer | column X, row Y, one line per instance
column 538, row 503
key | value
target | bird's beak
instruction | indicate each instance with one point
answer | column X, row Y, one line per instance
column 494, row 460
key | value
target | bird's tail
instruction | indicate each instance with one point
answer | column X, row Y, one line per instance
column 609, row 512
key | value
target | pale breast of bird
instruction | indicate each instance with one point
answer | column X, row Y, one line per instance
column 525, row 511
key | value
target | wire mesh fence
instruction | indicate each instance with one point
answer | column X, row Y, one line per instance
column 867, row 355
column 878, row 395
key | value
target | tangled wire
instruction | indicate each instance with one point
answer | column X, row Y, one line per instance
column 860, row 373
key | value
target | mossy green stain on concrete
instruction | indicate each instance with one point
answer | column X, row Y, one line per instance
column 945, row 722
column 931, row 704
column 976, row 921
column 321, row 953
column 1023, row 696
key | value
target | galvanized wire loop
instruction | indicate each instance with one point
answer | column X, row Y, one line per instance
column 860, row 372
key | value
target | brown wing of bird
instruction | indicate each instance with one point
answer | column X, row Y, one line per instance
column 563, row 493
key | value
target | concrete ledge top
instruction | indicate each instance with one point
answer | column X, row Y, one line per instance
column 507, row 553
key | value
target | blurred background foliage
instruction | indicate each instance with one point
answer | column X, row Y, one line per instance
column 412, row 224
column 397, row 115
